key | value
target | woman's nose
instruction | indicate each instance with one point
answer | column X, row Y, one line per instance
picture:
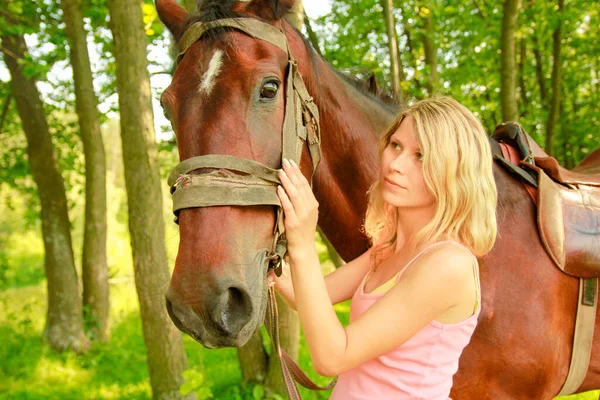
column 398, row 164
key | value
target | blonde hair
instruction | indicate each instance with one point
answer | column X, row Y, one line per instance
column 457, row 170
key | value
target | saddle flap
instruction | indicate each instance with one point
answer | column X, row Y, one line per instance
column 581, row 212
column 569, row 226
column 550, row 219
column 563, row 175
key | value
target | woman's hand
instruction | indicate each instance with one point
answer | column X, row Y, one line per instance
column 299, row 206
column 283, row 284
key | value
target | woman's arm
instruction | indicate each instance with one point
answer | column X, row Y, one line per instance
column 438, row 281
column 435, row 283
column 341, row 283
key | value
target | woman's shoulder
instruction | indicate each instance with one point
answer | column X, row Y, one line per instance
column 445, row 260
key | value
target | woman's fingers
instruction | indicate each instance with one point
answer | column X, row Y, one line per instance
column 295, row 175
column 286, row 204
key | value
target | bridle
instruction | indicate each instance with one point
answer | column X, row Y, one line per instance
column 259, row 185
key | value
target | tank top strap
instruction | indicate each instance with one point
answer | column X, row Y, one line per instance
column 475, row 275
column 399, row 274
column 475, row 267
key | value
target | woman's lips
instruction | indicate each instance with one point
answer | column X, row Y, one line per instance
column 392, row 184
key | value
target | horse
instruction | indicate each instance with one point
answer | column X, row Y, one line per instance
column 227, row 97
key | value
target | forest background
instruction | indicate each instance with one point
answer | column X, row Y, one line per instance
column 75, row 320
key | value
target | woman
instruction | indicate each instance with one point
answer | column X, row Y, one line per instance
column 415, row 293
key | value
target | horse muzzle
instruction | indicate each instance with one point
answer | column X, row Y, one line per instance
column 219, row 312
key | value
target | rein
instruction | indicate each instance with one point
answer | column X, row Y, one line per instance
column 259, row 184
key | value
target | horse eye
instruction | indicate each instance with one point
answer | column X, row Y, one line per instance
column 269, row 90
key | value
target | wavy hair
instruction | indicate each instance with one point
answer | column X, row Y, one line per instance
column 457, row 170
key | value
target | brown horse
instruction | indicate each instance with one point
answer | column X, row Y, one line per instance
column 226, row 97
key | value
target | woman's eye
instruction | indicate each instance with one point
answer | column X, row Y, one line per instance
column 419, row 156
column 269, row 90
column 395, row 146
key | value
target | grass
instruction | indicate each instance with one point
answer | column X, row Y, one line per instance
column 29, row 370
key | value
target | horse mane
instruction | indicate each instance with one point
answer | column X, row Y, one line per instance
column 212, row 10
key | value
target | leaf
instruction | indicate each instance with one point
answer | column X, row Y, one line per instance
column 193, row 380
column 258, row 392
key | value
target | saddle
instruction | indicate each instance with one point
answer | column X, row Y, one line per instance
column 568, row 221
column 568, row 202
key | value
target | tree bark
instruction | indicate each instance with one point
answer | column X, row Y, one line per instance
column 431, row 60
column 508, row 86
column 94, row 265
column 396, row 69
column 411, row 55
column 64, row 323
column 166, row 356
column 522, row 86
column 539, row 68
column 5, row 108
column 556, row 82
column 253, row 359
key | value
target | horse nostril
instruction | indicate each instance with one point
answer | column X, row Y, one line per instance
column 169, row 306
column 236, row 301
column 235, row 310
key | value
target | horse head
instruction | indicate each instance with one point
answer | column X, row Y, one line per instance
column 226, row 98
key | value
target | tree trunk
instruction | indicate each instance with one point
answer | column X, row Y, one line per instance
column 64, row 323
column 539, row 67
column 556, row 83
column 94, row 265
column 253, row 360
column 411, row 56
column 166, row 356
column 522, row 86
column 431, row 60
column 508, row 86
column 5, row 108
column 397, row 71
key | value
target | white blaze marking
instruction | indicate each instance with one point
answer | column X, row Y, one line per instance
column 214, row 67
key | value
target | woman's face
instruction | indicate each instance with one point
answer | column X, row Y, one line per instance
column 402, row 182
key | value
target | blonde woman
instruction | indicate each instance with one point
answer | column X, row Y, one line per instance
column 415, row 294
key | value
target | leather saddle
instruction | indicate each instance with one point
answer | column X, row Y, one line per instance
column 568, row 202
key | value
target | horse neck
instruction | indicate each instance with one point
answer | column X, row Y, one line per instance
column 351, row 123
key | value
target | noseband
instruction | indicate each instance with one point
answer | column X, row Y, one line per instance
column 259, row 184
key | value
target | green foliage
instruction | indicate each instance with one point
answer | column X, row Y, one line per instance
column 195, row 381
column 467, row 36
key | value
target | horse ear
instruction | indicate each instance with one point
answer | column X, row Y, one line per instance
column 271, row 10
column 172, row 15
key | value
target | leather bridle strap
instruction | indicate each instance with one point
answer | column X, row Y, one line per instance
column 258, row 184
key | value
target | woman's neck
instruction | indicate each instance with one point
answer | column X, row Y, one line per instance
column 410, row 223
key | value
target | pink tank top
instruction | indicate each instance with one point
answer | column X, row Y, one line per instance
column 421, row 368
